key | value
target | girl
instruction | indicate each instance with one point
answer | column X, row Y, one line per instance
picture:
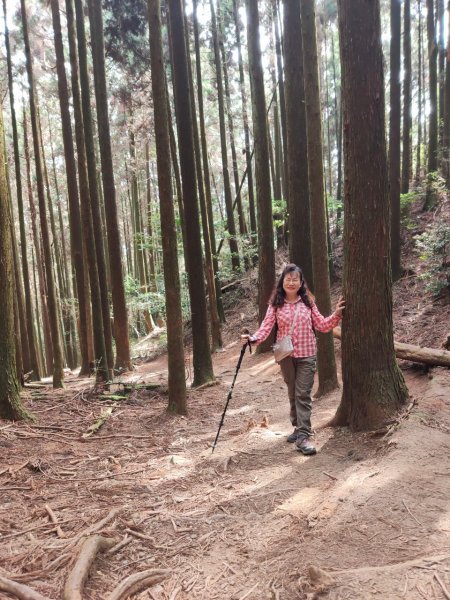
column 292, row 306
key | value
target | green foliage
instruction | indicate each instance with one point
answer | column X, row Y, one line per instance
column 406, row 201
column 279, row 211
column 434, row 248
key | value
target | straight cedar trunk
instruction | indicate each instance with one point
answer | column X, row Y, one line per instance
column 151, row 253
column 297, row 156
column 123, row 360
column 58, row 373
column 100, row 354
column 432, row 75
column 282, row 97
column 47, row 346
column 205, row 161
column 266, row 254
column 394, row 137
column 419, row 93
column 216, row 335
column 94, row 196
column 136, row 209
column 31, row 337
column 440, row 19
column 338, row 126
column 10, row 405
column 446, row 130
column 175, row 342
column 237, row 190
column 407, row 120
column 326, row 361
column 203, row 370
column 76, row 236
column 373, row 386
column 248, row 154
column 223, row 146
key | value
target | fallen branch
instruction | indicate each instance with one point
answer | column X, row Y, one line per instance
column 444, row 589
column 434, row 357
column 99, row 422
column 54, row 520
column 138, row 582
column 79, row 574
column 19, row 590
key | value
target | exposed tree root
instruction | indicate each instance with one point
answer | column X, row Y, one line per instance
column 18, row 589
column 137, row 582
column 79, row 574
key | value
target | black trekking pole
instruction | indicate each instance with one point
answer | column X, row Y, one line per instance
column 230, row 393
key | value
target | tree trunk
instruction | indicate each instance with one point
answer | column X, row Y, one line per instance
column 266, row 254
column 282, row 97
column 373, row 386
column 419, row 94
column 237, row 192
column 203, row 371
column 432, row 74
column 31, row 337
column 223, row 145
column 177, row 384
column 446, row 130
column 206, row 174
column 58, row 373
column 92, row 180
column 326, row 361
column 394, row 138
column 406, row 134
column 297, row 157
column 216, row 336
column 123, row 360
column 441, row 70
column 76, row 238
column 151, row 253
column 100, row 354
column 248, row 156
column 10, row 405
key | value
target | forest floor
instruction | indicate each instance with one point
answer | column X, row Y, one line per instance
column 367, row 517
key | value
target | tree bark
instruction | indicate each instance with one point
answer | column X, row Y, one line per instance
column 177, row 384
column 297, row 158
column 58, row 373
column 406, row 133
column 394, row 137
column 266, row 254
column 31, row 336
column 76, row 237
column 432, row 74
column 206, row 174
column 100, row 354
column 235, row 262
column 123, row 360
column 92, row 181
column 10, row 405
column 373, row 386
column 326, row 361
column 203, row 371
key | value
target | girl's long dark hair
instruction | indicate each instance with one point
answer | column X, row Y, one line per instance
column 279, row 295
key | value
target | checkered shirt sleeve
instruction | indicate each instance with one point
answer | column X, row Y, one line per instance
column 303, row 336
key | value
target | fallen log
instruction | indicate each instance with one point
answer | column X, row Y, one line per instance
column 434, row 357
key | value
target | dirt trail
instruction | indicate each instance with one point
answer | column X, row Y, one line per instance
column 248, row 521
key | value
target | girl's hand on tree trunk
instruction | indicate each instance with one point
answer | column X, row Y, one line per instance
column 340, row 306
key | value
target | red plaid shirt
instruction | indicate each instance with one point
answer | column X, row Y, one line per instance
column 303, row 338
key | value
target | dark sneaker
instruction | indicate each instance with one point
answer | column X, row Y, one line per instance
column 305, row 446
column 293, row 437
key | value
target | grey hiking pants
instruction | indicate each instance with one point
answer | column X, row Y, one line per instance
column 298, row 374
